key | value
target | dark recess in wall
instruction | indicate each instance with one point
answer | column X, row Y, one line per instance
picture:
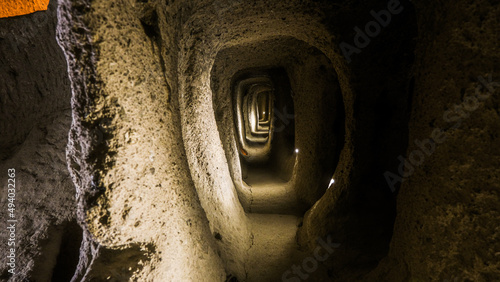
column 59, row 253
column 69, row 253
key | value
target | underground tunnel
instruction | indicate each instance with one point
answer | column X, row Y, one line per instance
column 307, row 112
column 212, row 140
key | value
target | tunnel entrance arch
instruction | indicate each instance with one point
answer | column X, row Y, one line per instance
column 308, row 131
column 275, row 153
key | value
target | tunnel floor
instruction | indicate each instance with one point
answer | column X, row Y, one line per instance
column 271, row 194
column 274, row 248
column 273, row 220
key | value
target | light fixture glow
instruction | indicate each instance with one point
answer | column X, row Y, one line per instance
column 331, row 183
column 297, row 151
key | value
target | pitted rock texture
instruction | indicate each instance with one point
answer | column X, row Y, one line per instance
column 126, row 153
column 145, row 187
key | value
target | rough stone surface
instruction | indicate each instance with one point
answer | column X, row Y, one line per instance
column 160, row 194
column 35, row 116
column 126, row 155
column 448, row 208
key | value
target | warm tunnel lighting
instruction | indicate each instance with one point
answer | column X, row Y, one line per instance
column 258, row 125
column 254, row 116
